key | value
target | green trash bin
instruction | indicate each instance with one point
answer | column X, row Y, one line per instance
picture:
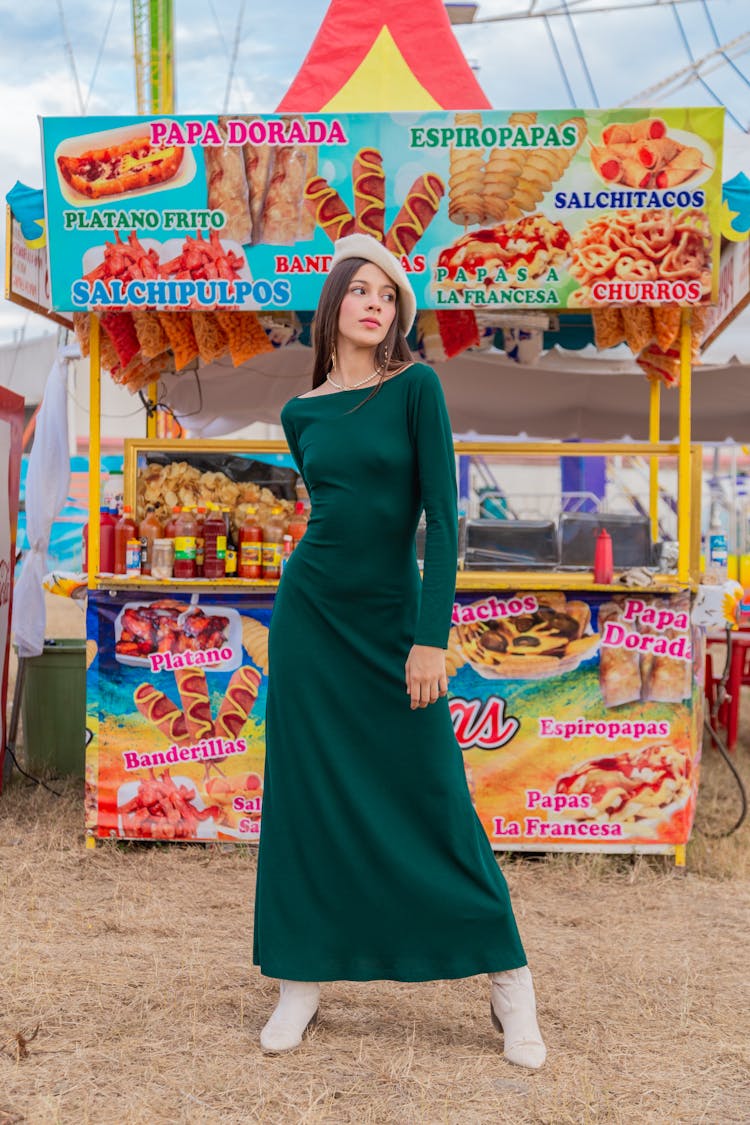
column 54, row 709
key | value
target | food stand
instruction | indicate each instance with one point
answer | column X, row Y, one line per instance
column 577, row 704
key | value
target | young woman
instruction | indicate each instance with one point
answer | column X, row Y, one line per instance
column 372, row 863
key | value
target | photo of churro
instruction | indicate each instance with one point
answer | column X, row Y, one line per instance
column 638, row 246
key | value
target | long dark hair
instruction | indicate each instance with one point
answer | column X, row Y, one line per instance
column 325, row 328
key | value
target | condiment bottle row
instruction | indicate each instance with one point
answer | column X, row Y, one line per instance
column 196, row 543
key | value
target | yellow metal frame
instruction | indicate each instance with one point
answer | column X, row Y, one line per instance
column 689, row 464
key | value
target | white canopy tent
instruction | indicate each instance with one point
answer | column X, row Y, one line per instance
column 566, row 394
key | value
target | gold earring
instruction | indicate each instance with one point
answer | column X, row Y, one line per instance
column 333, row 359
column 385, row 356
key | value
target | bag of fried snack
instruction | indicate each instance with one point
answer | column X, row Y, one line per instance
column 609, row 327
column 245, row 333
column 151, row 336
column 179, row 329
column 639, row 327
column 210, row 336
column 120, row 328
column 661, row 365
column 666, row 325
column 82, row 329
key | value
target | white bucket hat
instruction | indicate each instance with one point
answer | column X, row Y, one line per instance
column 367, row 247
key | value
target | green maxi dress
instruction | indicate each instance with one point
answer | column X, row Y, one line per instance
column 372, row 862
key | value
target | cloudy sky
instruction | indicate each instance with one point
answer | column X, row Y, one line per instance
column 624, row 53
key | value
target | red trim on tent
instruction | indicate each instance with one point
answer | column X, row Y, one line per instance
column 422, row 32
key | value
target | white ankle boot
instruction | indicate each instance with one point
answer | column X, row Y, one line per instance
column 513, row 1010
column 296, row 1010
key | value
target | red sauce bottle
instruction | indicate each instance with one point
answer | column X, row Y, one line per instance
column 214, row 543
column 186, row 529
column 170, row 524
column 250, row 561
column 125, row 529
column 298, row 523
column 200, row 516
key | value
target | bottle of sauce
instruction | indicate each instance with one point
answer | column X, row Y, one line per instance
column 200, row 516
column 185, row 547
column 298, row 523
column 149, row 530
column 273, row 534
column 231, row 567
column 169, row 525
column 214, row 543
column 133, row 558
column 250, row 564
column 106, row 541
column 125, row 529
column 287, row 547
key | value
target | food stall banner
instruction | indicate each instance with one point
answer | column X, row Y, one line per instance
column 579, row 716
column 487, row 210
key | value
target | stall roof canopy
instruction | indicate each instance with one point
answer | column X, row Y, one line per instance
column 566, row 395
column 385, row 56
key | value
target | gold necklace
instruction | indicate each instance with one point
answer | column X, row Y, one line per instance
column 351, row 386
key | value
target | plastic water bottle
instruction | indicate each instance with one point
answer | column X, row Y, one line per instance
column 718, row 550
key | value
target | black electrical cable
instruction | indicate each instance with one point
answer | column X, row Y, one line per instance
column 740, row 785
column 36, row 780
column 710, row 726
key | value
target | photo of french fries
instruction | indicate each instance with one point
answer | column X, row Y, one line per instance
column 534, row 242
column 642, row 154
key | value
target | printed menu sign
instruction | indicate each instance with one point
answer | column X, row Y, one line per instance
column 540, row 209
column 578, row 716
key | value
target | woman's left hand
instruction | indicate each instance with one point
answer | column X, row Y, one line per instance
column 426, row 678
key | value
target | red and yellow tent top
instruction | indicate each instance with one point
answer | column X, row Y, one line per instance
column 384, row 57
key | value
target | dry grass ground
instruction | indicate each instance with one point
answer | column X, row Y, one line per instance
column 133, row 962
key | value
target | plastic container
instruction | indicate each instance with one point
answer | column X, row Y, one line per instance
column 718, row 548
column 214, row 544
column 125, row 529
column 250, row 562
column 53, row 709
column 185, row 548
column 287, row 546
column 162, row 561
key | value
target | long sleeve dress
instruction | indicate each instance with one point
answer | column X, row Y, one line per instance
column 372, row 862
